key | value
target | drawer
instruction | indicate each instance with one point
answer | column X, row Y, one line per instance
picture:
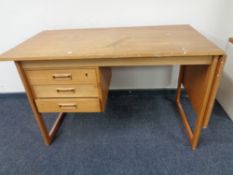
column 60, row 76
column 45, row 91
column 68, row 105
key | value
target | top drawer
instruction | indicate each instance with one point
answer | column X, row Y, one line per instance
column 66, row 76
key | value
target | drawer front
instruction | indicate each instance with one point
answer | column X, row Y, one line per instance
column 68, row 105
column 66, row 76
column 45, row 91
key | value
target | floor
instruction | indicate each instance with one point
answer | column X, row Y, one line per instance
column 140, row 133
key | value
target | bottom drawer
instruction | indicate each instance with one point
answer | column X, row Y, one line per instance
column 68, row 105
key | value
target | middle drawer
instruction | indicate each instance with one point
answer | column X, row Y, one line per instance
column 82, row 90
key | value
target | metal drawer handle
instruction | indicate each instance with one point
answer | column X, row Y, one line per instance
column 68, row 106
column 62, row 76
column 61, row 90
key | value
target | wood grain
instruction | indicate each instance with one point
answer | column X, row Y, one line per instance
column 214, row 90
column 108, row 62
column 196, row 83
column 59, row 91
column 61, row 76
column 38, row 117
column 125, row 42
column 104, row 77
column 180, row 107
column 198, row 86
column 68, row 105
column 56, row 125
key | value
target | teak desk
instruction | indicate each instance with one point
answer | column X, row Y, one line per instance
column 70, row 70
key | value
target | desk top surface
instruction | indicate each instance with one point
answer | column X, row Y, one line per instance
column 151, row 41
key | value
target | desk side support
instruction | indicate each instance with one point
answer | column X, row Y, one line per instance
column 214, row 89
column 48, row 136
column 201, row 84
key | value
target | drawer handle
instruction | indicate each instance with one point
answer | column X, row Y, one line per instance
column 61, row 90
column 68, row 106
column 62, row 76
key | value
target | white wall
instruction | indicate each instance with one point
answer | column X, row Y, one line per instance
column 24, row 18
column 225, row 95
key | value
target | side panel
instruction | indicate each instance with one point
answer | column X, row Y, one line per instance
column 197, row 81
column 104, row 78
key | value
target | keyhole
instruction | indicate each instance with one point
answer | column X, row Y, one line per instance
column 86, row 74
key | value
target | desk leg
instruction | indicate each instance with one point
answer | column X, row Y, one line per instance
column 200, row 85
column 214, row 90
column 180, row 107
column 47, row 136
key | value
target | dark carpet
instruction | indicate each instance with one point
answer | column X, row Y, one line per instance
column 140, row 133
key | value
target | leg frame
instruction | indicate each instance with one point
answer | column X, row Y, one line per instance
column 48, row 136
column 200, row 83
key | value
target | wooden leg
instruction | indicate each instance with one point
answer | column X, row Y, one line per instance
column 197, row 82
column 47, row 136
column 56, row 125
column 179, row 105
column 215, row 85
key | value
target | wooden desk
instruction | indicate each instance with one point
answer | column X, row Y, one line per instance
column 70, row 70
